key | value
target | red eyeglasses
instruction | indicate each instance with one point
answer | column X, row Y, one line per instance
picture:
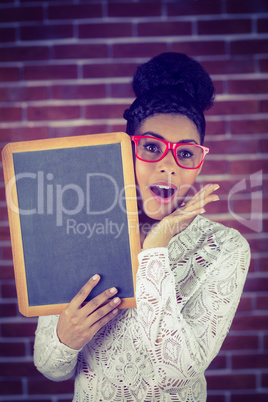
column 151, row 149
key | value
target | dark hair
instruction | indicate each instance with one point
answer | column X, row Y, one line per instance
column 170, row 83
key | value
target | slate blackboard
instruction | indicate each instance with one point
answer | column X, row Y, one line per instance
column 72, row 213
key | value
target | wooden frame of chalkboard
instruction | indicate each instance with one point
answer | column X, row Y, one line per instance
column 72, row 210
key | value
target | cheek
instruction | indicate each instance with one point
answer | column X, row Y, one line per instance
column 143, row 170
column 187, row 179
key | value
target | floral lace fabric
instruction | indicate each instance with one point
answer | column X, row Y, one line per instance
column 187, row 295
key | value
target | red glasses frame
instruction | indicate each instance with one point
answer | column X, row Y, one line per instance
column 169, row 145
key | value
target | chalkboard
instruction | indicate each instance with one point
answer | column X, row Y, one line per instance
column 72, row 213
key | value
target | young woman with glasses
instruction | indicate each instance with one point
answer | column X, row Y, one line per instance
column 191, row 270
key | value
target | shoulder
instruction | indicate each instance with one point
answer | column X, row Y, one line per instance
column 205, row 237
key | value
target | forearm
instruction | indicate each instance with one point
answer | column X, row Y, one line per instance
column 184, row 323
column 52, row 358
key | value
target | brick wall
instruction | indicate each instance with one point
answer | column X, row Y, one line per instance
column 65, row 69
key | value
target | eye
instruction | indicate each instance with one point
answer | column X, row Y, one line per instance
column 184, row 154
column 151, row 148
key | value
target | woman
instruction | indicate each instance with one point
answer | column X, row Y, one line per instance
column 191, row 270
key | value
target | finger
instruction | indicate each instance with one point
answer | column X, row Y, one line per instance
column 201, row 196
column 103, row 315
column 103, row 321
column 98, row 301
column 83, row 293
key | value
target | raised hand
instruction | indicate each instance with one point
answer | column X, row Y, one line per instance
column 78, row 323
column 162, row 233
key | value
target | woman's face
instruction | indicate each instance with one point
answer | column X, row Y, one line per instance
column 152, row 178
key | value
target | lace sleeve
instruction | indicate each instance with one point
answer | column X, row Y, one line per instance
column 53, row 359
column 184, row 322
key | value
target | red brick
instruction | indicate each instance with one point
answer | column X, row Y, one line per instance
column 170, row 28
column 249, row 397
column 257, row 284
column 234, row 107
column 233, row 342
column 262, row 302
column 8, row 310
column 264, row 145
column 231, row 381
column 199, row 48
column 246, row 6
column 250, row 361
column 218, row 363
column 193, row 7
column 69, row 130
column 12, row 349
column 219, row 207
column 7, row 35
column 44, row 386
column 263, row 25
column 264, row 381
column 83, row 91
column 121, row 91
column 104, row 111
column 258, row 245
column 20, row 94
column 263, row 264
column 21, row 14
column 139, row 49
column 223, row 26
column 10, row 387
column 229, row 67
column 143, row 9
column 18, row 329
column 8, row 290
column 10, row 114
column 263, row 65
column 215, row 127
column 246, row 126
column 233, row 146
column 108, row 30
column 263, row 106
column 109, row 70
column 249, row 46
column 21, row 53
column 80, row 51
column 258, row 86
column 248, row 323
column 54, row 72
column 214, row 167
column 17, row 369
column 46, row 32
column 9, row 74
column 36, row 113
column 215, row 398
column 245, row 304
column 243, row 167
column 23, row 133
column 265, row 342
column 76, row 11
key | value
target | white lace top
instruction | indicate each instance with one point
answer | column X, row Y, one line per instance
column 187, row 295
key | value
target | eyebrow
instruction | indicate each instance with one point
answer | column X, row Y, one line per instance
column 151, row 133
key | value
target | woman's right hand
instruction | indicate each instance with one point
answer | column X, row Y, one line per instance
column 78, row 323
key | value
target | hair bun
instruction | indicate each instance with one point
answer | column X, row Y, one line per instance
column 178, row 73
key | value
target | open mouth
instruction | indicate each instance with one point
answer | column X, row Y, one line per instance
column 163, row 193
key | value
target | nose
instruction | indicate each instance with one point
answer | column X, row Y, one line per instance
column 168, row 163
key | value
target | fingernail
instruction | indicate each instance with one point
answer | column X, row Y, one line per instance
column 115, row 311
column 95, row 277
column 113, row 290
column 116, row 300
column 216, row 199
column 216, row 187
column 202, row 211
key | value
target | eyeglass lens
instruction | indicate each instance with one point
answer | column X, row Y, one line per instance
column 152, row 150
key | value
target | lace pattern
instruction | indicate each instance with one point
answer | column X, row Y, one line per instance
column 187, row 295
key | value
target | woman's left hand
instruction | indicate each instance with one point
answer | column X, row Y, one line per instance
column 162, row 233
